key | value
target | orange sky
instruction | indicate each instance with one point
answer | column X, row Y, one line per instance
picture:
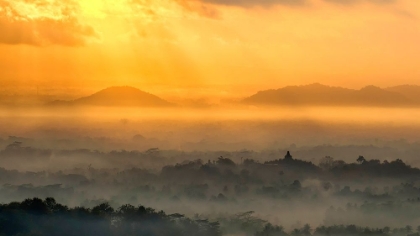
column 207, row 47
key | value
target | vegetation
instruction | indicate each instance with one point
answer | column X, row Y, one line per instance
column 46, row 217
column 217, row 196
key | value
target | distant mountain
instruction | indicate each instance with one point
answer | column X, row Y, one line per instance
column 412, row 92
column 321, row 95
column 117, row 97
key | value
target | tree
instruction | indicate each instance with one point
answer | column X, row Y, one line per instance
column 408, row 229
column 225, row 161
column 15, row 145
column 326, row 163
column 270, row 230
column 103, row 209
column 306, row 230
column 296, row 185
column 361, row 159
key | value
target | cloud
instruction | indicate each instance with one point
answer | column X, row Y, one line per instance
column 350, row 2
column 42, row 23
column 268, row 3
column 247, row 3
column 200, row 7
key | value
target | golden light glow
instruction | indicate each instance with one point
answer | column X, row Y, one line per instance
column 203, row 48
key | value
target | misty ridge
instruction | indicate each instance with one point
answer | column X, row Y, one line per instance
column 307, row 95
column 117, row 96
column 322, row 95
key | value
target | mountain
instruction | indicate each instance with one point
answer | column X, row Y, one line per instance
column 117, row 97
column 322, row 95
column 412, row 92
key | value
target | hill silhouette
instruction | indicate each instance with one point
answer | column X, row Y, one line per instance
column 322, row 95
column 412, row 92
column 123, row 96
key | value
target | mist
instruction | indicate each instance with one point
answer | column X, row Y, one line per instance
column 347, row 166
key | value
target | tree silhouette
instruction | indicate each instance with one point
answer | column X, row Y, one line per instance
column 40, row 217
column 361, row 159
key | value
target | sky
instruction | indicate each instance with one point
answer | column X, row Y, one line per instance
column 207, row 47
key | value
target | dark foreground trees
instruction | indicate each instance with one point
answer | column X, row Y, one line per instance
column 338, row 230
column 36, row 217
column 46, row 217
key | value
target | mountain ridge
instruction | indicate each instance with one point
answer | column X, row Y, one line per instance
column 322, row 95
column 315, row 94
column 117, row 96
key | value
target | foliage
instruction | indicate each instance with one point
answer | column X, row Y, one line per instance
column 46, row 217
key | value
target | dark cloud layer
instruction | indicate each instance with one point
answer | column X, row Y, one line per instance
column 349, row 2
column 252, row 3
column 40, row 30
column 208, row 8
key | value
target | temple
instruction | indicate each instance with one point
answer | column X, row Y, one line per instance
column 288, row 156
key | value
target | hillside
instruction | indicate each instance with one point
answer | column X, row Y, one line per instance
column 117, row 97
column 321, row 95
column 412, row 92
